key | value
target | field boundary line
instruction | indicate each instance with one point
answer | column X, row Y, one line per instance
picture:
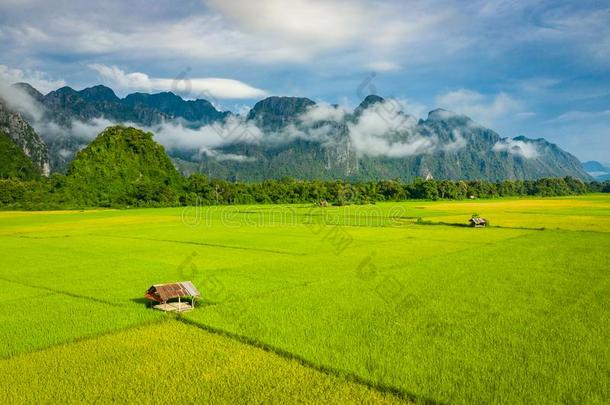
column 85, row 338
column 483, row 245
column 264, row 294
column 66, row 293
column 460, row 225
column 522, row 228
column 282, row 252
column 48, row 294
column 347, row 376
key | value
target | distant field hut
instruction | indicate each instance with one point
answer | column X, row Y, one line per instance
column 169, row 297
column 477, row 222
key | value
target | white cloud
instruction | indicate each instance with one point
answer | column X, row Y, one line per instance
column 585, row 134
column 325, row 23
column 525, row 114
column 527, row 150
column 227, row 156
column 39, row 80
column 265, row 31
column 233, row 130
column 481, row 108
column 587, row 27
column 65, row 153
column 309, row 27
column 417, row 110
column 172, row 135
column 576, row 115
column 195, row 37
column 379, row 146
column 89, row 130
column 211, row 87
column 460, row 97
column 383, row 66
column 78, row 130
column 537, row 84
column 20, row 101
column 323, row 112
column 382, row 130
column 458, row 143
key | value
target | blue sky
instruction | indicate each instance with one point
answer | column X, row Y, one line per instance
column 535, row 68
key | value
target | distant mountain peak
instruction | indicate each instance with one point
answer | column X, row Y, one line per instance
column 597, row 170
column 65, row 90
column 23, row 135
column 200, row 111
column 273, row 112
column 128, row 154
column 29, row 89
column 541, row 142
column 370, row 100
column 283, row 103
column 98, row 93
column 164, row 95
column 440, row 114
column 594, row 166
column 454, row 146
column 526, row 139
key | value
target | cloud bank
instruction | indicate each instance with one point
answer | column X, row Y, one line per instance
column 210, row 88
column 549, row 56
column 524, row 149
column 484, row 109
column 39, row 80
column 380, row 130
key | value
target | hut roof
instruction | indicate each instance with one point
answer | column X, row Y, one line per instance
column 478, row 221
column 164, row 292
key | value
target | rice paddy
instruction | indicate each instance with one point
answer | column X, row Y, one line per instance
column 395, row 302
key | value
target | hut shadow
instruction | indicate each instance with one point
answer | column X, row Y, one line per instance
column 141, row 301
column 431, row 223
column 149, row 304
column 460, row 225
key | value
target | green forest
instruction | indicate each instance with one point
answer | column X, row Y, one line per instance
column 124, row 167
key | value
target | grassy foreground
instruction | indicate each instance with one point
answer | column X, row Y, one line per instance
column 172, row 363
column 375, row 303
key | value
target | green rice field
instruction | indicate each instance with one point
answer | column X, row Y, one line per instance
column 386, row 303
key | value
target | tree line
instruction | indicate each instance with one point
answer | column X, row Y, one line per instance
column 58, row 192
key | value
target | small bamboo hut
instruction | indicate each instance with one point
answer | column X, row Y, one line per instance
column 477, row 222
column 165, row 295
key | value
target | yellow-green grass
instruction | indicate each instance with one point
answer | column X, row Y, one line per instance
column 447, row 313
column 521, row 322
column 34, row 318
column 170, row 362
column 590, row 213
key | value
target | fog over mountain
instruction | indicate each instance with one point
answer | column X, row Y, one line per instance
column 291, row 136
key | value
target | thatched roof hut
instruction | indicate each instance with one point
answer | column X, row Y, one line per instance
column 162, row 293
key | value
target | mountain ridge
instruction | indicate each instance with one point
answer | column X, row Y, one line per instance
column 17, row 129
column 301, row 140
column 597, row 170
